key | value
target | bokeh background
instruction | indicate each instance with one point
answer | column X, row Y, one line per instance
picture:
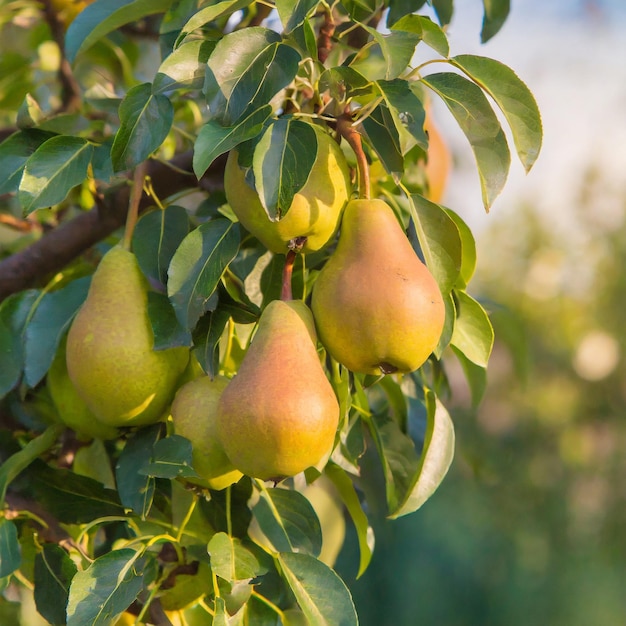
column 529, row 526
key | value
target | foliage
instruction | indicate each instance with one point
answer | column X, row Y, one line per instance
column 157, row 92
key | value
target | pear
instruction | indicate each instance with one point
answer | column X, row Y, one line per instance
column 376, row 306
column 72, row 410
column 314, row 212
column 194, row 413
column 279, row 414
column 110, row 356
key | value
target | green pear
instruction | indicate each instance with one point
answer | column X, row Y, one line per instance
column 194, row 412
column 110, row 355
column 72, row 410
column 279, row 414
column 377, row 308
column 314, row 212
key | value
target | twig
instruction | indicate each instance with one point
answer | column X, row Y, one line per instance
column 324, row 39
column 352, row 136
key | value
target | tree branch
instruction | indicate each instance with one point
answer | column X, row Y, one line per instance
column 63, row 244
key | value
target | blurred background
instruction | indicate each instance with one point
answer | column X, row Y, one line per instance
column 529, row 526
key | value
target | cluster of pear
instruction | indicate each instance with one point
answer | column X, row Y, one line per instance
column 376, row 307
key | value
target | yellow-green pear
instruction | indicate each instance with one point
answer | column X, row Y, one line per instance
column 315, row 210
column 194, row 412
column 72, row 410
column 377, row 308
column 279, row 414
column 110, row 356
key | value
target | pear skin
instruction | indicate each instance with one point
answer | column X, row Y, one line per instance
column 110, row 356
column 279, row 414
column 72, row 410
column 314, row 212
column 194, row 412
column 377, row 307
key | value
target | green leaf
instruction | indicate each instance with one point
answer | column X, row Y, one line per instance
column 440, row 241
column 14, row 152
column 472, row 111
column 184, row 68
column 400, row 8
column 54, row 570
column 513, row 98
column 435, row 458
column 468, row 249
column 206, row 338
column 101, row 593
column 282, row 162
column 19, row 461
column 135, row 490
column 168, row 333
column 156, row 237
column 344, row 82
column 103, row 17
column 58, row 165
column 292, row 13
column 232, row 513
column 407, row 113
column 473, row 332
column 171, row 458
column 383, row 136
column 71, row 498
column 215, row 139
column 221, row 616
column 10, row 554
column 475, row 375
column 146, row 120
column 428, row 32
column 210, row 14
column 289, row 521
column 321, row 594
column 444, row 10
column 231, row 560
column 50, row 321
column 197, row 267
column 496, row 12
column 246, row 70
column 349, row 497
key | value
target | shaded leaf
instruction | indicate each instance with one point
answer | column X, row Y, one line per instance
column 246, row 70
column 14, row 152
column 475, row 375
column 103, row 17
column 468, row 249
column 444, row 10
column 435, row 458
column 10, row 553
column 145, row 121
column 198, row 265
column 428, row 32
column 136, row 490
column 171, row 458
column 206, row 337
column 344, row 82
column 58, row 165
column 282, row 162
column 496, row 12
column 472, row 111
column 396, row 50
column 440, row 241
column 292, row 13
column 209, row 14
column 101, row 593
column 54, row 570
column 513, row 98
column 473, row 332
column 156, row 237
column 349, row 497
column 184, row 68
column 49, row 322
column 289, row 521
column 215, row 139
column 215, row 510
column 168, row 333
column 383, row 136
column 400, row 8
column 231, row 560
column 322, row 595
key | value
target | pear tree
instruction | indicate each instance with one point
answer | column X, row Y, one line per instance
column 230, row 295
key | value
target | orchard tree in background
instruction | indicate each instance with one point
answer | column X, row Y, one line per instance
column 179, row 444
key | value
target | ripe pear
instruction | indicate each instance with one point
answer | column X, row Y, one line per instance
column 72, row 410
column 279, row 414
column 194, row 412
column 376, row 306
column 110, row 356
column 314, row 212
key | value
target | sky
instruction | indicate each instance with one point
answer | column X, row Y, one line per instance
column 571, row 55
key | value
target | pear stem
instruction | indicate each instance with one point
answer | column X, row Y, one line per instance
column 286, row 291
column 352, row 136
column 133, row 204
